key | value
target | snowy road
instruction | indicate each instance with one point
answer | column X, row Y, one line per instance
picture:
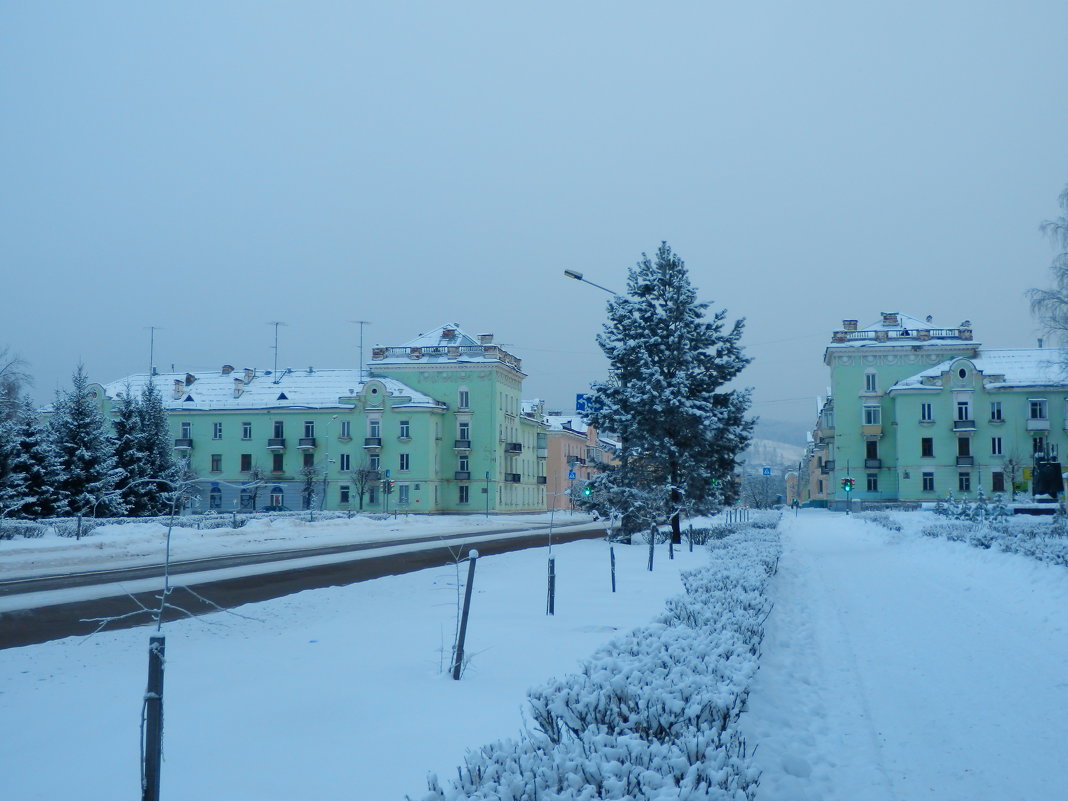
column 900, row 667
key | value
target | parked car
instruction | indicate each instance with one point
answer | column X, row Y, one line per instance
column 275, row 509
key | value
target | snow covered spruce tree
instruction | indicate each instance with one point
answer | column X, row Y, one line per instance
column 665, row 396
column 33, row 459
column 143, row 453
column 88, row 474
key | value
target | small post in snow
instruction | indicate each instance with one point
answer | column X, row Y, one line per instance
column 612, row 559
column 550, row 609
column 689, row 535
column 152, row 747
column 652, row 541
column 458, row 661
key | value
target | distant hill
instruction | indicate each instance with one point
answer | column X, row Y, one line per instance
column 770, row 453
column 780, row 431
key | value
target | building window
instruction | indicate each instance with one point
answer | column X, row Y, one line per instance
column 463, row 464
column 1037, row 408
column 995, row 446
column 1038, row 446
column 187, row 430
column 463, row 400
column 276, row 462
column 402, row 493
column 405, row 429
column 279, row 429
column 871, row 449
column 246, row 431
column 216, row 430
column 246, row 498
column 246, row 462
column 873, row 482
column 927, row 447
column 344, row 463
column 873, row 415
column 1052, row 451
column 278, row 496
column 964, row 446
column 345, row 496
column 928, row 482
column 995, row 410
column 309, row 428
column 464, row 430
column 374, row 428
column 964, row 482
column 309, row 460
column 346, row 429
column 926, row 413
column 216, row 463
column 997, row 482
column 964, row 410
column 215, row 499
column 870, row 382
column 372, row 494
column 465, row 494
column 403, row 462
column 374, row 461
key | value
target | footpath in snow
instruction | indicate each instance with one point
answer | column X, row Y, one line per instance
column 901, row 667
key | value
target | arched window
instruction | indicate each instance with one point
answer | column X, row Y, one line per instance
column 278, row 496
column 215, row 498
column 246, row 498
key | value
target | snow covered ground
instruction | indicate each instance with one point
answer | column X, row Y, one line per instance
column 327, row 694
column 902, row 667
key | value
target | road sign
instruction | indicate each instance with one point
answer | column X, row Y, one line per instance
column 571, row 475
column 766, row 471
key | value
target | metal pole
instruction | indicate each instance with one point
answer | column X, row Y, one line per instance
column 487, row 493
column 551, row 608
column 153, row 742
column 612, row 559
column 652, row 540
column 458, row 661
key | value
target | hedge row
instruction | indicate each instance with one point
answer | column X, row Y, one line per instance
column 653, row 715
column 1044, row 540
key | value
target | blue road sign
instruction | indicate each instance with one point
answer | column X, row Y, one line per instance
column 766, row 471
column 571, row 475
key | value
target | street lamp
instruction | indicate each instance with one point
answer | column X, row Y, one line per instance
column 578, row 277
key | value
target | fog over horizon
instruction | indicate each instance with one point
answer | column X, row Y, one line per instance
column 207, row 169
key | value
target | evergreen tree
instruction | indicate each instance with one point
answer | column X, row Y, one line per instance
column 86, row 460
column 156, row 451
column 128, row 453
column 13, row 496
column 34, row 459
column 664, row 396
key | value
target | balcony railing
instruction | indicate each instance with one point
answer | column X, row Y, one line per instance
column 873, row 464
column 306, row 442
column 965, row 461
column 462, row 475
column 1037, row 424
column 462, row 445
column 513, row 447
column 542, row 479
column 513, row 478
column 827, row 467
column 964, row 425
column 183, row 443
column 276, row 443
column 372, row 442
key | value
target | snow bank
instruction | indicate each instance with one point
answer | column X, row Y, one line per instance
column 653, row 714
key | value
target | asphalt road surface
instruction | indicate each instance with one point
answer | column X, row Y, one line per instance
column 29, row 626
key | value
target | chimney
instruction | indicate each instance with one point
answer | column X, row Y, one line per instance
column 179, row 388
column 485, row 339
column 189, row 379
column 378, row 353
column 849, row 325
column 890, row 318
column 239, row 387
column 882, row 336
column 227, row 369
column 249, row 375
column 448, row 332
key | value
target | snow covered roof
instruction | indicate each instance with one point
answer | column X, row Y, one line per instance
column 896, row 329
column 446, row 344
column 1009, row 367
column 306, row 388
column 566, row 422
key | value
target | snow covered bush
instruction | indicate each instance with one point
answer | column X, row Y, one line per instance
column 652, row 715
column 881, row 519
column 1038, row 538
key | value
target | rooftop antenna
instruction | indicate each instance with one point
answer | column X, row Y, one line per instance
column 275, row 323
column 361, row 324
column 152, row 329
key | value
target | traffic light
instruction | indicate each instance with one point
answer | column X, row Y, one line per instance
column 848, row 484
column 587, row 491
column 389, row 485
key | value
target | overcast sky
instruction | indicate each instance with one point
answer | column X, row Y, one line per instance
column 210, row 167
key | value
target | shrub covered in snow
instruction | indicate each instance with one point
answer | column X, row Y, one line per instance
column 653, row 714
column 1040, row 538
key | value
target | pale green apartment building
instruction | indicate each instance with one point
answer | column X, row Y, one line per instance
column 919, row 411
column 434, row 425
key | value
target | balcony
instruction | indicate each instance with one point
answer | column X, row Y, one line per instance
column 964, row 425
column 513, row 478
column 873, row 464
column 875, row 430
column 372, row 442
column 306, row 443
column 462, row 475
column 965, row 461
column 276, row 444
column 827, row 467
column 183, row 444
column 513, row 447
column 542, row 480
column 1038, row 424
column 462, row 445
column 543, row 453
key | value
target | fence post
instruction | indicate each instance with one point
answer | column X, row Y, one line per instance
column 612, row 558
column 458, row 661
column 551, row 608
column 690, row 536
column 153, row 742
column 652, row 541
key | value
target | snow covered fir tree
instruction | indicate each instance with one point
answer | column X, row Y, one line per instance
column 681, row 430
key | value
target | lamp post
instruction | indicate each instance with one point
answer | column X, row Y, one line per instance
column 326, row 462
column 578, row 277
